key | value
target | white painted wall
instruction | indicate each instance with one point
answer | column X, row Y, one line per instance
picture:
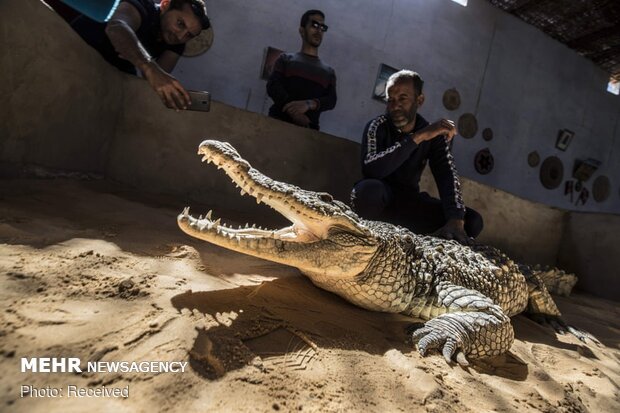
column 514, row 78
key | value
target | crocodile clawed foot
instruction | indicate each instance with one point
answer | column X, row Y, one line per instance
column 429, row 338
column 561, row 327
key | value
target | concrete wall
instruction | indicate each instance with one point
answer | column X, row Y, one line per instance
column 59, row 102
column 590, row 247
column 514, row 78
column 527, row 231
column 87, row 116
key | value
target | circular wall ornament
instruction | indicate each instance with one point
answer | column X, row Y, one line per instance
column 487, row 134
column 533, row 159
column 199, row 44
column 551, row 172
column 484, row 162
column 468, row 125
column 451, row 99
column 600, row 188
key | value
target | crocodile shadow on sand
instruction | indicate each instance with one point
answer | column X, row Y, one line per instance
column 290, row 321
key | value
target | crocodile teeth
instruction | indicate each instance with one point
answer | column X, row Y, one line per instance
column 217, row 223
column 208, row 216
column 259, row 198
column 242, row 192
column 186, row 212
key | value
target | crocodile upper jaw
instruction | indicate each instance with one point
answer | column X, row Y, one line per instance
column 314, row 217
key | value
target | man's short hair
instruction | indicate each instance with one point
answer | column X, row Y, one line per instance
column 198, row 7
column 306, row 16
column 405, row 76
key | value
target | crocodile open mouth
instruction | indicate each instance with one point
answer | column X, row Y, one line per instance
column 325, row 238
column 307, row 224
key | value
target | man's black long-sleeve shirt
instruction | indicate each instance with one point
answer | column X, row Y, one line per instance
column 392, row 156
column 298, row 76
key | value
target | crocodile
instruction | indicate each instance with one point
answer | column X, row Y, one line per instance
column 465, row 294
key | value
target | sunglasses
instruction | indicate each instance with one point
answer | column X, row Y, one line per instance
column 318, row 25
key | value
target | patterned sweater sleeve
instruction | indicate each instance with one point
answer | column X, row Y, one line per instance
column 328, row 101
column 275, row 86
column 446, row 177
column 379, row 158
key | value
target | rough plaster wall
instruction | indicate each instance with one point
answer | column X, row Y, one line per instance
column 535, row 86
column 514, row 78
column 591, row 248
column 59, row 102
column 527, row 231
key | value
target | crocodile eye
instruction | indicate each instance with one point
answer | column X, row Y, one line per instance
column 325, row 197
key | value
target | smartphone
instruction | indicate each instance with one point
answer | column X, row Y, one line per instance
column 201, row 100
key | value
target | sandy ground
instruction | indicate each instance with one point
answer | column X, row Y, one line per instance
column 90, row 270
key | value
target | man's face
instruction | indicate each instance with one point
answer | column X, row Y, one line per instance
column 313, row 32
column 178, row 26
column 402, row 103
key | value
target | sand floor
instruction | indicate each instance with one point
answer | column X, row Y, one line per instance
column 91, row 270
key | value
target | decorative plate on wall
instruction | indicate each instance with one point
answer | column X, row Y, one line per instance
column 533, row 159
column 468, row 125
column 451, row 99
column 600, row 188
column 551, row 172
column 199, row 44
column 484, row 162
column 487, row 134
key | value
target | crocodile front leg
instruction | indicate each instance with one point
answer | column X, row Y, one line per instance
column 473, row 326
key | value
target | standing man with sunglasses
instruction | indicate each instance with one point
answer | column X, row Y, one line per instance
column 301, row 85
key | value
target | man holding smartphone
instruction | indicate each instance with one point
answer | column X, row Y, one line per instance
column 301, row 85
column 145, row 36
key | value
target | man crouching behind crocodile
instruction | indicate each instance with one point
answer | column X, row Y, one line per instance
column 465, row 295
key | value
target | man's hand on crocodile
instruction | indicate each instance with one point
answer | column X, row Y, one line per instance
column 454, row 229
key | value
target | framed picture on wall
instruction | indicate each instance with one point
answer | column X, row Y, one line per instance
column 385, row 72
column 269, row 59
column 564, row 138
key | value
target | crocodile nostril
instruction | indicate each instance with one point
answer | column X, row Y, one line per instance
column 325, row 197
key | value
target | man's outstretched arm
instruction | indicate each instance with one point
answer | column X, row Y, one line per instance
column 121, row 30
